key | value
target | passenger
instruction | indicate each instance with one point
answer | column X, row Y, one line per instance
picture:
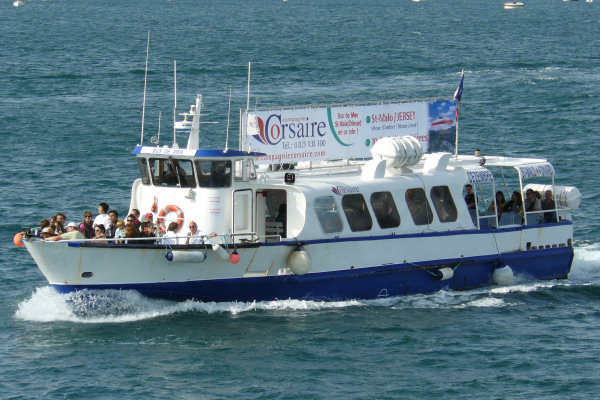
column 131, row 221
column 470, row 197
column 171, row 236
column 102, row 217
column 71, row 234
column 136, row 214
column 549, row 204
column 111, row 228
column 282, row 217
column 53, row 221
column 86, row 227
column 532, row 203
column 515, row 204
column 195, row 235
column 120, row 231
column 131, row 232
column 149, row 217
column 44, row 223
column 99, row 231
column 148, row 232
column 59, row 227
column 500, row 201
column 47, row 232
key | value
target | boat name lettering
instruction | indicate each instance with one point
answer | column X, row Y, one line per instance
column 342, row 190
column 166, row 151
column 275, row 131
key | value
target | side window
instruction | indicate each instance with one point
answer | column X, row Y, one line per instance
column 443, row 203
column 213, row 173
column 144, row 173
column 385, row 210
column 357, row 213
column 328, row 214
column 246, row 166
column 170, row 172
column 418, row 206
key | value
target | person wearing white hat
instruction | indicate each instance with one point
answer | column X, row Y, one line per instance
column 71, row 234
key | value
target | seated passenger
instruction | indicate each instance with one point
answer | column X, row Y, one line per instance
column 147, row 232
column 47, row 232
column 86, row 227
column 120, row 231
column 171, row 236
column 549, row 204
column 59, row 227
column 71, row 234
column 99, row 231
column 194, row 236
column 532, row 203
column 498, row 204
column 131, row 232
column 515, row 204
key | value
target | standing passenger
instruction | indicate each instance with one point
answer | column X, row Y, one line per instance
column 102, row 217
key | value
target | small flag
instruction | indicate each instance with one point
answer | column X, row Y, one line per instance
column 458, row 93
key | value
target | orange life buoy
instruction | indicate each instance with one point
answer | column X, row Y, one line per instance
column 166, row 210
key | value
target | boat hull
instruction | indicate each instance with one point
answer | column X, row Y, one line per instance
column 349, row 268
column 368, row 283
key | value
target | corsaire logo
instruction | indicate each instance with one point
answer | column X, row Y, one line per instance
column 271, row 131
column 342, row 190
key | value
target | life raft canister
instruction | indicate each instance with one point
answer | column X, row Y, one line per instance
column 171, row 208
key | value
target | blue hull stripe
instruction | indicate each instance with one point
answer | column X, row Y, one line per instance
column 364, row 283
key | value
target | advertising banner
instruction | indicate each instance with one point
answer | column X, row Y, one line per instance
column 347, row 131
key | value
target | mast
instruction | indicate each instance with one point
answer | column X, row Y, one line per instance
column 228, row 114
column 145, row 80
column 245, row 139
column 175, row 102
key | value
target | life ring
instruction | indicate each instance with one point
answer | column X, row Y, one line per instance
column 166, row 210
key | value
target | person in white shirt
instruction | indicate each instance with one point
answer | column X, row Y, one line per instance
column 171, row 235
column 195, row 235
column 102, row 217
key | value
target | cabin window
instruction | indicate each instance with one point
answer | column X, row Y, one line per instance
column 213, row 173
column 418, row 206
column 328, row 214
column 244, row 170
column 144, row 173
column 172, row 172
column 385, row 210
column 443, row 203
column 357, row 213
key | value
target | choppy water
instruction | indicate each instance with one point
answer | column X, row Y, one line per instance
column 70, row 104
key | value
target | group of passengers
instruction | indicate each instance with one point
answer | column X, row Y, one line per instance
column 107, row 225
column 533, row 203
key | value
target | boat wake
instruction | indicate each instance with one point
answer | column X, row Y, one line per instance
column 108, row 306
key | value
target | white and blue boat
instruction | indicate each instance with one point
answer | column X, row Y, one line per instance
column 391, row 220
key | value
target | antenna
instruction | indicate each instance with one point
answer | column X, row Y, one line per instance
column 145, row 80
column 158, row 139
column 228, row 113
column 245, row 139
column 175, row 102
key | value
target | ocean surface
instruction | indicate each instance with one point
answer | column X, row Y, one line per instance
column 71, row 87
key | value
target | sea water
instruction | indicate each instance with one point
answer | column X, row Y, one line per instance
column 71, row 86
